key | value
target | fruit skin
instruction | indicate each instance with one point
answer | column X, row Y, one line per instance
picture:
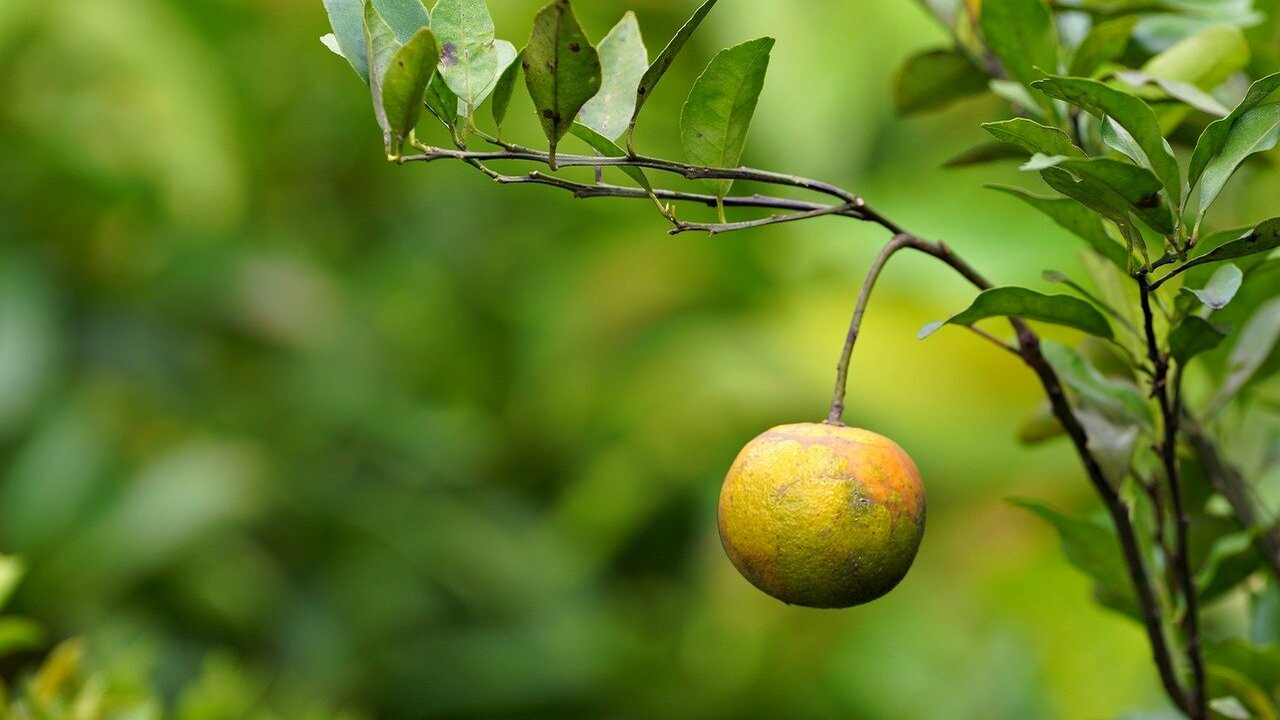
column 821, row 515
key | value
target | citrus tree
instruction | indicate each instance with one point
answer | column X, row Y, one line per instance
column 1131, row 115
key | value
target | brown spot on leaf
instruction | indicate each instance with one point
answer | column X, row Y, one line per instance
column 575, row 47
column 548, row 114
column 449, row 55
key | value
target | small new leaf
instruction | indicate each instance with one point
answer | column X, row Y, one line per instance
column 561, row 70
column 718, row 113
column 1028, row 304
column 1221, row 289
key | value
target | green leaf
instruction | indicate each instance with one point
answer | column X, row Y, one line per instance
column 506, row 54
column 346, row 17
column 405, row 84
column 504, row 88
column 1257, row 341
column 1194, row 336
column 1253, row 132
column 1120, row 185
column 442, row 102
column 561, row 70
column 1021, row 33
column 1131, row 113
column 469, row 55
column 11, row 572
column 662, row 63
column 381, row 43
column 1264, row 238
column 18, row 634
column 1231, row 559
column 1034, row 137
column 608, row 148
column 623, row 61
column 405, row 17
column 717, row 115
column 1039, row 426
column 1105, row 42
column 1021, row 302
column 1075, row 218
column 1091, row 546
column 1205, row 59
column 934, row 79
column 1222, row 287
column 1119, row 401
column 987, row 152
column 1215, row 135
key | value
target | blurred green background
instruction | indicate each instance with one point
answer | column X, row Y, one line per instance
column 402, row 442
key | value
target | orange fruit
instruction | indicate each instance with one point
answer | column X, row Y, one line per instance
column 822, row 515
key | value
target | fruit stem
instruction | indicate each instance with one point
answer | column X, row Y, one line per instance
column 899, row 241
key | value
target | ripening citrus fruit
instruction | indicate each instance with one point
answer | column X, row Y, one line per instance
column 822, row 515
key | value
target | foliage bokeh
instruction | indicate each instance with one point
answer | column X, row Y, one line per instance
column 402, row 444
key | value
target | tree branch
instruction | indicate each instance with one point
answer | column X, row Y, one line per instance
column 852, row 206
column 1169, row 457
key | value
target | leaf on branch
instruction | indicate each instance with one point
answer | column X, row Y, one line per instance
column 1221, row 289
column 718, row 113
column 1040, row 425
column 405, row 17
column 1195, row 336
column 1253, row 132
column 1091, row 546
column 987, row 152
column 623, row 61
column 1022, row 34
column 442, row 102
column 662, row 63
column 1262, row 239
column 1075, row 218
column 934, row 79
column 1215, row 135
column 405, row 84
column 1231, row 559
column 504, row 88
column 561, row 70
column 1031, row 305
column 1105, row 42
column 1034, row 137
column 1118, row 186
column 1131, row 113
column 469, row 59
column 346, row 17
column 1257, row 341
column 381, row 44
